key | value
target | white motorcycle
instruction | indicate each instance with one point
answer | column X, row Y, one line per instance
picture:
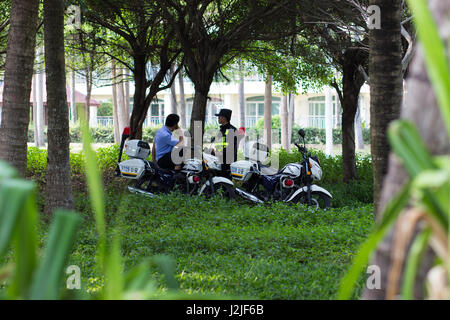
column 195, row 177
column 292, row 184
column 304, row 174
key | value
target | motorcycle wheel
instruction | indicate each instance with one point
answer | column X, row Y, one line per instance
column 221, row 189
column 319, row 200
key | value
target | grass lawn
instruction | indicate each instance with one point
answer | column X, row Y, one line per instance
column 230, row 249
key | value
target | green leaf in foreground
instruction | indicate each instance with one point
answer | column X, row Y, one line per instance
column 95, row 187
column 412, row 264
column 435, row 56
column 48, row 278
column 362, row 258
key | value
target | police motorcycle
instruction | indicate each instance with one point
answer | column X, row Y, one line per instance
column 149, row 179
column 304, row 174
column 261, row 183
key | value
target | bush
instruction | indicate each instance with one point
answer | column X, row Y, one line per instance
column 276, row 123
column 105, row 109
column 312, row 135
column 317, row 136
column 107, row 160
column 148, row 134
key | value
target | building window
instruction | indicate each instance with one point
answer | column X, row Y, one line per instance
column 254, row 109
column 316, row 115
column 156, row 116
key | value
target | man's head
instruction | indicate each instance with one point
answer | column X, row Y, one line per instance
column 224, row 116
column 172, row 122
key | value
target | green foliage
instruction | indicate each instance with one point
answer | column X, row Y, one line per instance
column 148, row 134
column 105, row 109
column 276, row 123
column 429, row 177
column 275, row 251
column 107, row 160
column 101, row 134
column 105, row 134
column 28, row 276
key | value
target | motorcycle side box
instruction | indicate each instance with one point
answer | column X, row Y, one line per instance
column 132, row 169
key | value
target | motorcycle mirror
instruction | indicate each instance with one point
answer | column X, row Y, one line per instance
column 301, row 133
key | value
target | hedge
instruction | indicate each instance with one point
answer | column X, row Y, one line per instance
column 106, row 134
column 102, row 134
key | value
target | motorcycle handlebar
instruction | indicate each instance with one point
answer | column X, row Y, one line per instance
column 301, row 149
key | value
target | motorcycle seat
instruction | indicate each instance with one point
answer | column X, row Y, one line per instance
column 268, row 171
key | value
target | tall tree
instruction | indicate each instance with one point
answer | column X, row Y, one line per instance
column 17, row 87
column 268, row 111
column 59, row 185
column 173, row 93
column 182, row 100
column 284, row 117
column 212, row 33
column 241, row 94
column 5, row 18
column 386, row 85
column 40, row 111
column 429, row 122
column 291, row 117
column 116, row 121
column 138, row 30
column 340, row 31
column 122, row 113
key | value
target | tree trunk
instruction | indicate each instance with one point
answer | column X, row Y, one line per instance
column 40, row 116
column 241, row 96
column 117, row 132
column 126, row 72
column 386, row 85
column 202, row 81
column 284, row 123
column 198, row 117
column 358, row 127
column 173, row 94
column 121, row 108
column 268, row 111
column 351, row 85
column 139, row 113
column 17, row 87
column 73, row 103
column 59, row 184
column 328, row 122
column 291, row 117
column 87, row 102
column 432, row 130
column 182, row 101
column 142, row 100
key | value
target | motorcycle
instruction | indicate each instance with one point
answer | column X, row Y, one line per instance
column 304, row 174
column 196, row 176
column 292, row 184
column 260, row 183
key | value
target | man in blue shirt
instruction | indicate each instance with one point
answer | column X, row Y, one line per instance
column 165, row 142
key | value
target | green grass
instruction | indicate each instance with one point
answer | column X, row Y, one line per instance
column 229, row 248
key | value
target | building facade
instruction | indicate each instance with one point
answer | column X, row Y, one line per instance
column 309, row 108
